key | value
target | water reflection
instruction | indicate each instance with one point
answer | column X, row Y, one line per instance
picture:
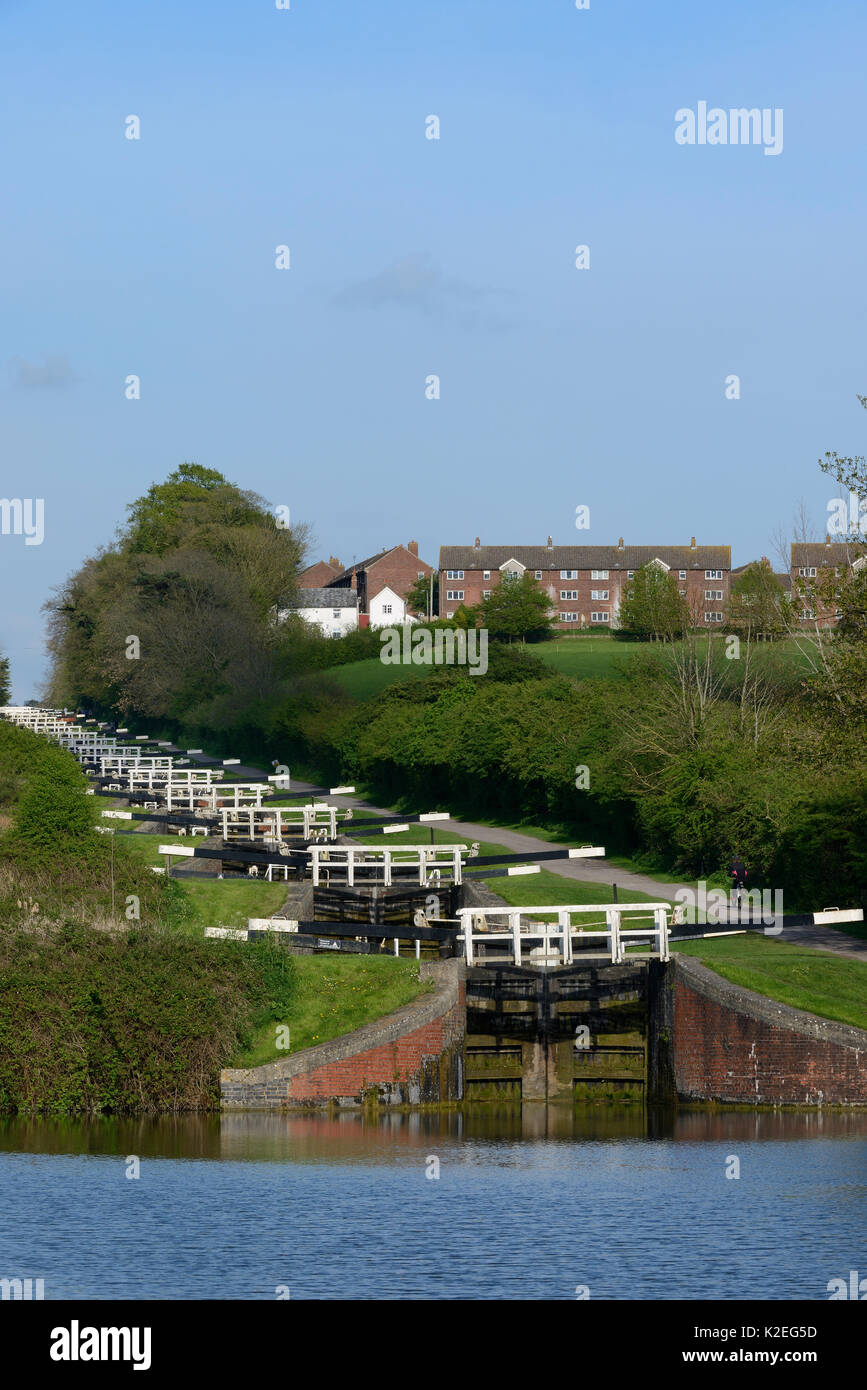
column 349, row 1136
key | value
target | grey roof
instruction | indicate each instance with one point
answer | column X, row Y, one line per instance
column 822, row 554
column 325, row 598
column 585, row 557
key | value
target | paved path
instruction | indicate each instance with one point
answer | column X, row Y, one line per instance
column 587, row 870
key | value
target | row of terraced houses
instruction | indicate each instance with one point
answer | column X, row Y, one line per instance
column 585, row 583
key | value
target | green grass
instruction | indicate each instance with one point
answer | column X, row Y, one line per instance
column 365, row 679
column 604, row 656
column 213, row 902
column 800, row 976
column 335, row 995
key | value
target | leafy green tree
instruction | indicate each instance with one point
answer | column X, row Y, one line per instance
column 758, row 604
column 652, row 606
column 197, row 577
column 5, row 681
column 516, row 608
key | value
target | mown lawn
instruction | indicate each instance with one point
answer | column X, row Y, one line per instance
column 334, row 995
column 816, row 981
column 213, row 902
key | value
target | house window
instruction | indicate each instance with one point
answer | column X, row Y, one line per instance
column 420, row 574
column 568, row 617
column 713, row 617
column 486, row 574
column 450, row 615
column 808, row 613
column 568, row 593
column 598, row 574
column 452, row 595
column 599, row 617
column 712, row 574
column 335, row 612
column 568, row 574
column 599, row 594
column 630, row 574
column 486, row 593
column 681, row 574
column 454, row 574
column 538, row 574
column 808, row 571
column 386, row 608
column 713, row 593
column 682, row 593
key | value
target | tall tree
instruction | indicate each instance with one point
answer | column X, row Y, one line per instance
column 652, row 605
column 516, row 608
column 178, row 618
column 5, row 682
column 758, row 605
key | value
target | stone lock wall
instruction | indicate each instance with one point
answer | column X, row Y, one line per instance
column 411, row 1057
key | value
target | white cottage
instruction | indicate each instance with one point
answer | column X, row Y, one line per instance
column 334, row 611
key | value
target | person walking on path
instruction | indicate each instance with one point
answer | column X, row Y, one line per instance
column 738, row 870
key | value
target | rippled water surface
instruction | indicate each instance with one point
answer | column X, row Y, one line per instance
column 527, row 1204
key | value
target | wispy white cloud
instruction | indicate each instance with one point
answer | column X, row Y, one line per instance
column 416, row 282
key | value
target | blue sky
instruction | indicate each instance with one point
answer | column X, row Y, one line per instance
column 410, row 256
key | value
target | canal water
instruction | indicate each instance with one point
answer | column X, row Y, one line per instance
column 536, row 1203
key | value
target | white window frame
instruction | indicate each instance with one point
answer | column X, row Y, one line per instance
column 453, row 596
column 600, row 595
column 713, row 574
column 567, row 594
column 537, row 574
column 486, row 574
column 807, row 571
column 598, row 574
column 568, row 574
column 568, row 617
column 600, row 617
column 713, row 595
column 713, row 617
column 454, row 574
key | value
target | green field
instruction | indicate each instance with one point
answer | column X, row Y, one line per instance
column 581, row 657
column 335, row 995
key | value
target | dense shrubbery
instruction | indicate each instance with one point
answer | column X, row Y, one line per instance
column 53, row 864
column 132, row 1021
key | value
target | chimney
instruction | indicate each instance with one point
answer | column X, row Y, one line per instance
column 477, row 544
column 620, row 543
column 353, row 582
column 550, row 543
column 412, row 547
column 334, row 562
column 827, row 540
column 692, row 543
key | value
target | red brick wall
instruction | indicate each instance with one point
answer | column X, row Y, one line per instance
column 727, row 1053
column 398, row 570
column 397, row 1061
column 474, row 585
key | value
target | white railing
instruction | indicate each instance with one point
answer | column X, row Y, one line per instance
column 558, row 939
column 368, row 863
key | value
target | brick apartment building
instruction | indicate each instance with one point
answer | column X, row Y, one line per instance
column 585, row 582
column 810, row 562
column 397, row 568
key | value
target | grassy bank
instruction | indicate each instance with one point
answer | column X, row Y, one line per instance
column 335, row 995
column 799, row 976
